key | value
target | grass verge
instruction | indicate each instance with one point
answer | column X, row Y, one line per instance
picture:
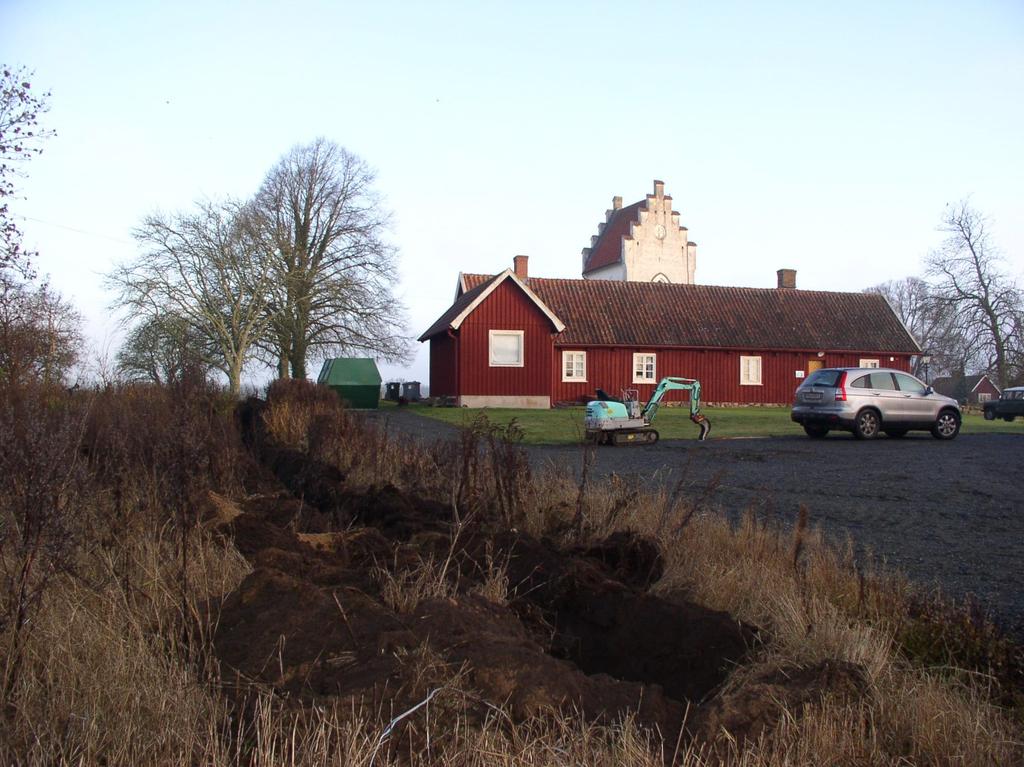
column 564, row 426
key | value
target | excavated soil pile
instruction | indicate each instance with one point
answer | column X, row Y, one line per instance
column 755, row 703
column 364, row 598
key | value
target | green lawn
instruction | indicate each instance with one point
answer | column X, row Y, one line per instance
column 565, row 426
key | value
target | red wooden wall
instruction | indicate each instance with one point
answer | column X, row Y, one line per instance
column 460, row 366
column 507, row 308
column 717, row 370
column 985, row 386
column 444, row 362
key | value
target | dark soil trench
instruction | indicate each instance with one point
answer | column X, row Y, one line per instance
column 576, row 629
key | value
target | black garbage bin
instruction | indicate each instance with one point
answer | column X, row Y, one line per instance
column 411, row 391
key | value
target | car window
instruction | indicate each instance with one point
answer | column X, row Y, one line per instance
column 882, row 381
column 823, row 378
column 909, row 384
column 864, row 382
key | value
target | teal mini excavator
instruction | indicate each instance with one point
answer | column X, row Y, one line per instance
column 625, row 421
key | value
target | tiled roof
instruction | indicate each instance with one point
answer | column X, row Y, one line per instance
column 613, row 313
column 608, row 248
column 465, row 299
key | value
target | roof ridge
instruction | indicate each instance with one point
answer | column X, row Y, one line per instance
column 690, row 286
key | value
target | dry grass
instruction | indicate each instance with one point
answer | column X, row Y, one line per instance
column 813, row 602
column 115, row 664
column 494, row 585
column 296, row 407
column 403, row 589
column 110, row 673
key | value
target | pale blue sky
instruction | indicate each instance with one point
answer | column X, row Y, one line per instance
column 812, row 136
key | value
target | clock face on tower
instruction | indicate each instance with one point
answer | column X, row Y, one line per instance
column 659, row 232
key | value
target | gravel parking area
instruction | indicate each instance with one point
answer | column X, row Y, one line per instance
column 945, row 513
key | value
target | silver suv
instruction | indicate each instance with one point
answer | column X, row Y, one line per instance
column 867, row 401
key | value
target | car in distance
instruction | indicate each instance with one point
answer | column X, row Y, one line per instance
column 1009, row 405
column 869, row 401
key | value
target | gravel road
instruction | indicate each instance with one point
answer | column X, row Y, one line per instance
column 945, row 513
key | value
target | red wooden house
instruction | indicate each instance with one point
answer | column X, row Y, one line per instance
column 965, row 389
column 511, row 340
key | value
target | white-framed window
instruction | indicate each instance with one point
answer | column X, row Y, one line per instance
column 506, row 348
column 984, row 396
column 750, row 371
column 868, row 364
column 645, row 369
column 574, row 366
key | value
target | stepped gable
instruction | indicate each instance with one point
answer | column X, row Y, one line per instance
column 644, row 314
column 643, row 242
column 606, row 247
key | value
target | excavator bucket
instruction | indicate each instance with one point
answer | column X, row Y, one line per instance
column 704, row 424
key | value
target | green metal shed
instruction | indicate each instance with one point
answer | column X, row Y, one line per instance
column 356, row 380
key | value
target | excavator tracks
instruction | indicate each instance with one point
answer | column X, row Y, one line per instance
column 638, row 437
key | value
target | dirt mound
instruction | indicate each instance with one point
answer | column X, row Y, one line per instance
column 632, row 559
column 312, row 482
column 311, row 621
column 308, row 641
column 348, row 599
column 398, row 516
column 757, row 702
column 606, row 626
column 506, row 665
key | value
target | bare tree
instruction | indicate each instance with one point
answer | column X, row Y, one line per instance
column 40, row 336
column 20, row 138
column 205, row 268
column 969, row 281
column 163, row 348
column 1017, row 350
column 932, row 324
column 324, row 226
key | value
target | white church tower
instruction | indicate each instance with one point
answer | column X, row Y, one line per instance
column 642, row 242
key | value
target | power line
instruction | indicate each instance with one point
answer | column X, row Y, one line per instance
column 73, row 229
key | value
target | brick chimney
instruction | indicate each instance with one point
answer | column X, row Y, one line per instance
column 519, row 266
column 787, row 278
column 616, row 203
column 659, row 188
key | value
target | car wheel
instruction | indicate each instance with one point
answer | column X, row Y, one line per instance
column 990, row 415
column 947, row 425
column 1009, row 418
column 815, row 431
column 896, row 433
column 867, row 424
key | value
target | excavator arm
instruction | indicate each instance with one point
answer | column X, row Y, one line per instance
column 666, row 385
